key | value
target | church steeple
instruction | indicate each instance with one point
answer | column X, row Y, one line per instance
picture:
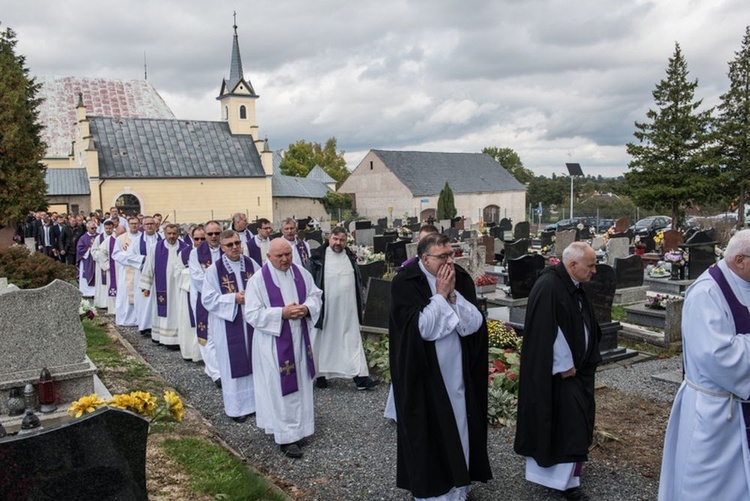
column 237, row 96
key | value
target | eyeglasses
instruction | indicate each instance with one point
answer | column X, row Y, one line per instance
column 229, row 245
column 199, row 239
column 441, row 257
column 213, row 233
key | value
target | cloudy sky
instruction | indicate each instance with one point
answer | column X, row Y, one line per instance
column 557, row 81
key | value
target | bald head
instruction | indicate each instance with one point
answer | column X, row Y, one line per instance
column 280, row 254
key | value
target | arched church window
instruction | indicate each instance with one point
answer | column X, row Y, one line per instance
column 491, row 214
column 128, row 204
column 243, row 112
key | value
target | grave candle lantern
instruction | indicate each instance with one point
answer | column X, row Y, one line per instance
column 16, row 404
column 47, row 394
column 29, row 397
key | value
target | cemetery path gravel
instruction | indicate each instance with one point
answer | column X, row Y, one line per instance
column 352, row 454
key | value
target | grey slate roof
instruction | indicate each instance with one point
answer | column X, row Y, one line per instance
column 425, row 173
column 154, row 148
column 63, row 181
column 297, row 187
column 319, row 174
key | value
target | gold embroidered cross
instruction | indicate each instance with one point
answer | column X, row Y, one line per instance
column 201, row 326
column 287, row 368
column 228, row 285
column 309, row 351
column 161, row 298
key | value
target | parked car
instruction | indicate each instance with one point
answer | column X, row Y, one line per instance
column 651, row 224
column 604, row 225
column 567, row 224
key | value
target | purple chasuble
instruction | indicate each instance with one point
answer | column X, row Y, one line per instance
column 254, row 250
column 284, row 342
column 161, row 257
column 741, row 324
column 89, row 268
column 112, row 291
column 301, row 250
column 239, row 344
column 203, row 252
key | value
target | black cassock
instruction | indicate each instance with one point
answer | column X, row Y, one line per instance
column 555, row 421
column 430, row 455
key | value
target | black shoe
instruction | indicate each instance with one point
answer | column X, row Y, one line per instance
column 321, row 382
column 218, row 383
column 291, row 450
column 173, row 347
column 366, row 383
column 575, row 493
column 144, row 333
column 240, row 419
column 155, row 341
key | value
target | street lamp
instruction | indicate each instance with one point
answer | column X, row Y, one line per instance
column 573, row 170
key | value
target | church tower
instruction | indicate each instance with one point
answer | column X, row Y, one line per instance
column 237, row 97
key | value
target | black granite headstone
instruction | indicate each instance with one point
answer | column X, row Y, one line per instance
column 522, row 273
column 505, row 224
column 395, row 252
column 521, row 230
column 302, row 223
column 376, row 269
column 516, row 249
column 316, row 235
column 253, row 227
column 381, row 225
column 101, row 455
column 545, row 239
column 363, row 225
column 584, row 234
column 415, row 227
column 648, row 240
column 377, row 303
column 451, row 233
column 412, row 220
column 497, row 232
column 699, row 237
column 701, row 257
column 600, row 291
column 379, row 242
column 397, row 222
column 465, row 235
column 628, row 271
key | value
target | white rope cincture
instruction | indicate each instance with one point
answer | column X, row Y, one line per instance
column 731, row 396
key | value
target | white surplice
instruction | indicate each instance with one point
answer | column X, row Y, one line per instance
column 238, row 393
column 290, row 417
column 296, row 259
column 164, row 329
column 189, row 346
column 705, row 449
column 197, row 276
column 338, row 346
column 127, row 266
column 143, row 308
column 444, row 323
column 101, row 264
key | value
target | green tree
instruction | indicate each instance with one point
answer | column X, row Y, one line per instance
column 302, row 156
column 446, row 206
column 511, row 162
column 733, row 128
column 22, row 186
column 666, row 169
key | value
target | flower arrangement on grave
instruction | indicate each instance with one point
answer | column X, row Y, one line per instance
column 140, row 402
column 502, row 391
column 366, row 255
column 502, row 335
column 404, row 232
column 659, row 238
column 676, row 258
column 608, row 234
column 657, row 302
column 553, row 261
column 86, row 310
column 485, row 279
column 546, row 249
column 351, row 241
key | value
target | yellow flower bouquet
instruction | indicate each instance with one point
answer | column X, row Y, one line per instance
column 140, row 402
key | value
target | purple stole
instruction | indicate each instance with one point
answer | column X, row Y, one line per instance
column 301, row 250
column 185, row 255
column 408, row 261
column 112, row 292
column 161, row 257
column 240, row 357
column 284, row 342
column 203, row 252
column 188, row 241
column 89, row 268
column 103, row 272
column 253, row 250
column 741, row 318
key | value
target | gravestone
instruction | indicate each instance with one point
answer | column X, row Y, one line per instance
column 457, row 223
column 381, row 225
column 648, row 241
column 379, row 242
column 41, row 328
column 617, row 248
column 412, row 220
column 411, row 249
column 302, row 223
column 672, row 240
column 395, row 252
column 516, row 249
column 397, row 223
column 315, row 235
column 362, row 225
column 465, row 235
column 6, row 287
column 505, row 225
column 376, row 269
column 314, row 244
column 522, row 274
column 415, row 227
column 325, row 227
column 364, row 236
column 597, row 243
column 700, row 237
column 444, row 224
column 545, row 239
column 584, row 234
column 622, row 225
column 702, row 256
column 377, row 304
column 489, row 248
column 497, row 232
column 521, row 230
column 451, row 233
column 563, row 239
column 628, row 271
column 101, row 455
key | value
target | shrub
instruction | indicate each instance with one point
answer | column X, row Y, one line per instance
column 29, row 270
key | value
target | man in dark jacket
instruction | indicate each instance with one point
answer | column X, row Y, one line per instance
column 337, row 342
column 438, row 357
column 69, row 239
column 560, row 353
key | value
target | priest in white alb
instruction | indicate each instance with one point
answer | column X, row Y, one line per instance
column 106, row 284
column 159, row 282
column 142, row 246
column 282, row 303
column 126, row 267
column 223, row 296
column 85, row 261
column 186, row 333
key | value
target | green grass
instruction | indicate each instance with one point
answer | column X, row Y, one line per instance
column 216, row 472
column 618, row 313
column 101, row 348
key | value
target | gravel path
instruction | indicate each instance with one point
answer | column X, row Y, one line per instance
column 352, row 454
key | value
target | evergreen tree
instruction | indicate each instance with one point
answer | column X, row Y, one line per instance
column 22, row 186
column 446, row 206
column 733, row 127
column 666, row 171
